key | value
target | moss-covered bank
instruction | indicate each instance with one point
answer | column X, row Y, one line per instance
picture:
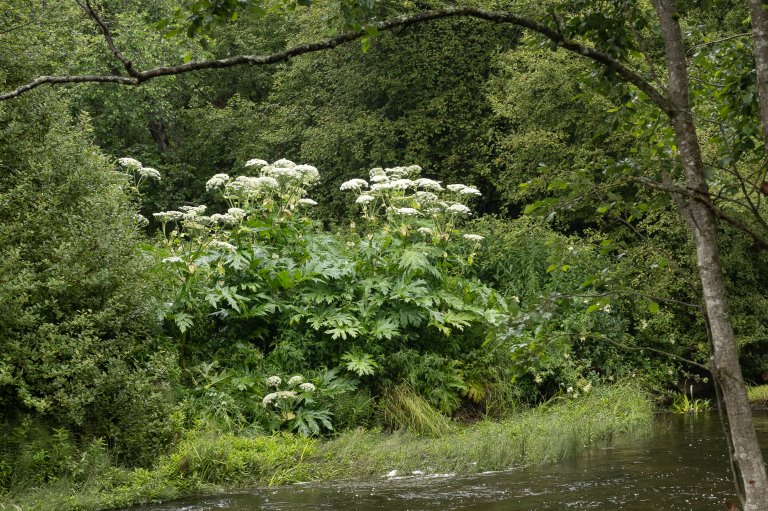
column 207, row 462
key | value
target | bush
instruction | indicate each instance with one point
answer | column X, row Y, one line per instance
column 77, row 311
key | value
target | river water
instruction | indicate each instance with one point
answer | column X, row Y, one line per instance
column 683, row 466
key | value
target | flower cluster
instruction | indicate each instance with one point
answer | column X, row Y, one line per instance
column 143, row 173
column 412, row 203
column 283, row 398
column 281, row 184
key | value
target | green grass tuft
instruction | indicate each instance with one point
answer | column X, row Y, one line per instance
column 404, row 410
column 758, row 395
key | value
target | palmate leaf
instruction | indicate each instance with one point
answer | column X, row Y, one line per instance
column 182, row 320
column 415, row 260
column 362, row 364
column 385, row 328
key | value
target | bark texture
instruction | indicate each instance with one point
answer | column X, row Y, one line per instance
column 760, row 39
column 702, row 221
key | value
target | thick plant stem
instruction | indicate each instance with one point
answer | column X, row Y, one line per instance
column 702, row 222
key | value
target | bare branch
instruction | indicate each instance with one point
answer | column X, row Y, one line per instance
column 87, row 7
column 139, row 77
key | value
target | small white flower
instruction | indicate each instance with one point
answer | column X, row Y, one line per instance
column 284, row 163
column 379, row 178
column 426, row 231
column 429, row 184
column 403, row 184
column 307, row 202
column 141, row 220
column 365, row 199
column 223, row 245
column 149, row 172
column 269, row 398
column 413, row 169
column 474, row 237
column 470, row 191
column 285, row 173
column 377, row 171
column 193, row 211
column 130, row 163
column 307, row 387
column 425, row 197
column 255, row 162
column 216, row 181
column 236, row 213
column 168, row 216
column 586, row 388
column 456, row 187
column 459, row 208
column 385, row 185
column 354, row 184
column 569, row 390
column 174, row 259
column 309, row 173
column 273, row 381
column 295, row 380
column 407, row 212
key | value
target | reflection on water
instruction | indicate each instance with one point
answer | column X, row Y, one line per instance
column 683, row 467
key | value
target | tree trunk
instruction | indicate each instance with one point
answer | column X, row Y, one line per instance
column 702, row 222
column 760, row 38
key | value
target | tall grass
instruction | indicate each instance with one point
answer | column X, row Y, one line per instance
column 403, row 409
column 758, row 395
column 549, row 433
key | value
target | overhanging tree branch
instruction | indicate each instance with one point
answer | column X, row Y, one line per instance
column 706, row 200
column 138, row 77
column 87, row 7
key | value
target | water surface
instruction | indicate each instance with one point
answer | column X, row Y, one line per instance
column 683, row 466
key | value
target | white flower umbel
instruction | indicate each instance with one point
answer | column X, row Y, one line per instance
column 460, row 209
column 354, row 184
column 129, row 163
column 309, row 174
column 307, row 202
column 365, row 199
column 168, row 216
column 470, row 191
column 407, row 212
column 174, row 259
column 456, row 187
column 274, row 381
column 216, row 181
column 141, row 220
column 379, row 178
column 255, row 162
column 474, row 237
column 193, row 211
column 429, row 184
column 307, row 387
column 426, row 231
column 223, row 245
column 403, row 184
column 284, row 163
column 294, row 380
column 236, row 213
column 149, row 173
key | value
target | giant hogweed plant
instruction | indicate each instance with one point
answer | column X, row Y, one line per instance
column 264, row 273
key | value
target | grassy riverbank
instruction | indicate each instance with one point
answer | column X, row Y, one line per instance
column 207, row 461
column 758, row 395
